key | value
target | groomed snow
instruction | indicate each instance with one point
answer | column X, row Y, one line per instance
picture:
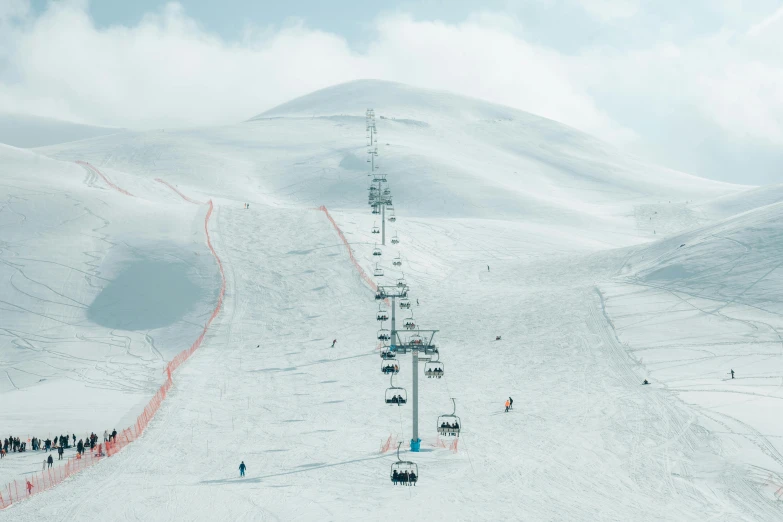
column 588, row 304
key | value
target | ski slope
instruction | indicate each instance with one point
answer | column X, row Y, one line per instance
column 588, row 304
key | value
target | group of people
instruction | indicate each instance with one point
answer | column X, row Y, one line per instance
column 452, row 429
column 405, row 478
column 437, row 372
column 397, row 399
column 59, row 443
column 391, row 368
column 509, row 404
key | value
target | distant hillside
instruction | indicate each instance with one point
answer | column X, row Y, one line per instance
column 27, row 132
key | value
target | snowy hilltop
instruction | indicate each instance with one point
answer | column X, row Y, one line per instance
column 222, row 297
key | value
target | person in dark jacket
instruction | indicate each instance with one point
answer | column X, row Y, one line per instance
column 60, row 452
column 80, row 447
column 242, row 469
column 50, row 460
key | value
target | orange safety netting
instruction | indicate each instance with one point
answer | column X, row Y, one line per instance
column 47, row 478
column 107, row 180
column 362, row 273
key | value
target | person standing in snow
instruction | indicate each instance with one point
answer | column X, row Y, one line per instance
column 114, row 435
column 60, row 451
column 80, row 447
column 508, row 405
column 732, row 374
column 334, row 342
column 29, row 488
column 242, row 469
column 105, row 435
column 50, row 460
column 487, row 268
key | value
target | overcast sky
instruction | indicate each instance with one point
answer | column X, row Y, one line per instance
column 696, row 85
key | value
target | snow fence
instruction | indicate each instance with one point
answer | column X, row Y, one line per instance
column 50, row 477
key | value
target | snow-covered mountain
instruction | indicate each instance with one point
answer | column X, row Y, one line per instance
column 596, row 270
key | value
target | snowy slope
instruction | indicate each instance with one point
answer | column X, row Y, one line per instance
column 20, row 130
column 486, row 252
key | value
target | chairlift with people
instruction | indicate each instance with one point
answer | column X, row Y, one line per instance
column 395, row 394
column 404, row 472
column 376, row 251
column 375, row 229
column 392, row 218
column 382, row 314
column 434, row 369
column 397, row 261
column 449, row 424
column 390, row 368
column 384, row 335
column 405, row 303
column 387, row 354
column 395, row 240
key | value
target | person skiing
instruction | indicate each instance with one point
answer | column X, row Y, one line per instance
column 50, row 460
column 29, row 488
column 732, row 374
column 334, row 342
column 646, row 382
column 487, row 268
column 508, row 405
column 242, row 468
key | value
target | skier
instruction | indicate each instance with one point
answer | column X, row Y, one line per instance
column 508, row 405
column 29, row 488
column 50, row 460
column 417, row 301
column 646, row 382
column 487, row 268
column 497, row 337
column 113, row 435
column 732, row 374
column 242, row 468
column 334, row 342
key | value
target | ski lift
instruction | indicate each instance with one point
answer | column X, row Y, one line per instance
column 384, row 335
column 390, row 207
column 401, row 282
column 379, row 295
column 387, row 354
column 434, row 369
column 405, row 303
column 378, row 272
column 409, row 323
column 376, row 251
column 397, row 261
column 392, row 218
column 415, row 339
column 395, row 394
column 450, row 424
column 395, row 240
column 382, row 314
column 375, row 229
column 387, row 191
column 390, row 368
column 404, row 471
column 376, row 208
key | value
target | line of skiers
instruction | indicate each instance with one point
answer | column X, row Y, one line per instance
column 59, row 443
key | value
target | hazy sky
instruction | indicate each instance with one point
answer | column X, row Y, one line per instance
column 695, row 85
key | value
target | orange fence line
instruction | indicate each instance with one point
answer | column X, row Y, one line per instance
column 183, row 196
column 47, row 478
column 101, row 174
column 362, row 273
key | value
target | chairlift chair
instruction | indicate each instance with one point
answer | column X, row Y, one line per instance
column 387, row 191
column 397, row 261
column 387, row 354
column 384, row 335
column 392, row 218
column 382, row 314
column 378, row 272
column 409, row 323
column 395, row 240
column 404, row 471
column 449, row 424
column 375, row 229
column 376, row 251
column 395, row 394
column 401, row 282
column 415, row 339
column 390, row 368
column 405, row 303
column 433, row 369
column 376, row 209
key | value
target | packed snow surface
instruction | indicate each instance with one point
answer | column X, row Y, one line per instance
column 597, row 270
